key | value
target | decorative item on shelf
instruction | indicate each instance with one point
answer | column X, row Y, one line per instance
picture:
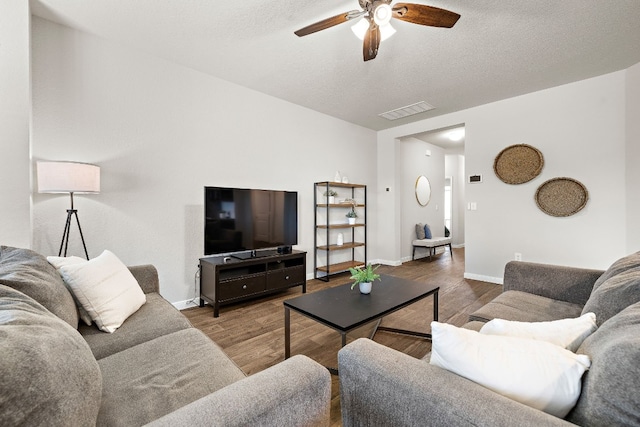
column 364, row 277
column 338, row 177
column 69, row 177
column 561, row 197
column 332, row 196
column 340, row 240
column 345, row 180
column 351, row 216
column 518, row 164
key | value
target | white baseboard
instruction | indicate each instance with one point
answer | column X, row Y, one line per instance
column 386, row 262
column 181, row 305
column 496, row 280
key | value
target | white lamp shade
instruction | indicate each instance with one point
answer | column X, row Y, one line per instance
column 68, row 177
column 360, row 29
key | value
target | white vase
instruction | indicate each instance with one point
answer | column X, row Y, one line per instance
column 338, row 177
column 351, row 221
column 365, row 288
column 340, row 241
column 332, row 200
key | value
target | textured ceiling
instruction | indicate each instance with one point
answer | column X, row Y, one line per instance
column 496, row 50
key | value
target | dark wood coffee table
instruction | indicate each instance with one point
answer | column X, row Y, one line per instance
column 344, row 310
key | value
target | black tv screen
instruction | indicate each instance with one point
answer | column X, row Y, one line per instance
column 240, row 219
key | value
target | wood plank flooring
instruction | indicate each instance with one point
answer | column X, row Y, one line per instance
column 252, row 333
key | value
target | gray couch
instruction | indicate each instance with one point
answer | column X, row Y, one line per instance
column 383, row 387
column 156, row 368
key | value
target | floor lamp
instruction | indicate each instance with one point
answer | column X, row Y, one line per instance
column 69, row 177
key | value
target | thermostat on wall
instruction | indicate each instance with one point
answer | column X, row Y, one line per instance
column 473, row 179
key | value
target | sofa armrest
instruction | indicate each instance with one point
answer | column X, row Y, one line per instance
column 147, row 277
column 383, row 387
column 296, row 392
column 568, row 284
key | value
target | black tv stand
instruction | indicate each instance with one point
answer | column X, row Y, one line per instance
column 227, row 279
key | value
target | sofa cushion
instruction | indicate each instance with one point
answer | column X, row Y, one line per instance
column 620, row 266
column 536, row 373
column 105, row 288
column 157, row 317
column 48, row 375
column 150, row 380
column 420, row 231
column 30, row 273
column 610, row 388
column 525, row 307
column 614, row 294
column 474, row 325
column 566, row 333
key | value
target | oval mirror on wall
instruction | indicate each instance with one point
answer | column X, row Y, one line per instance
column 423, row 190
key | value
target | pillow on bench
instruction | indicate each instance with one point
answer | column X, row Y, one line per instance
column 423, row 231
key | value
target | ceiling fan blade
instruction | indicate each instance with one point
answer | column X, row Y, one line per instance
column 425, row 15
column 329, row 22
column 371, row 41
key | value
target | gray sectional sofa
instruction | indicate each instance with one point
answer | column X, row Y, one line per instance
column 383, row 387
column 156, row 368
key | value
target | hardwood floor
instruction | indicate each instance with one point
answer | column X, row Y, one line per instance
column 252, row 333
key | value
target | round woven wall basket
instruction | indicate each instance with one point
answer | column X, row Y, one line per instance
column 518, row 164
column 561, row 197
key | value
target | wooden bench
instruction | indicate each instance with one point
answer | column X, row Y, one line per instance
column 432, row 244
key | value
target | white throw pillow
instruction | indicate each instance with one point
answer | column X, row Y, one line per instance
column 57, row 262
column 567, row 333
column 536, row 373
column 106, row 289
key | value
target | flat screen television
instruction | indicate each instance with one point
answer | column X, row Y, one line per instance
column 241, row 219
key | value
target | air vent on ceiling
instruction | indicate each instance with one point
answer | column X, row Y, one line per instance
column 409, row 110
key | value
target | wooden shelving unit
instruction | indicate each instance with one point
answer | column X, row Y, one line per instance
column 329, row 257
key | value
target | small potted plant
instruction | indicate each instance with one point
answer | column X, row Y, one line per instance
column 331, row 194
column 364, row 277
column 351, row 216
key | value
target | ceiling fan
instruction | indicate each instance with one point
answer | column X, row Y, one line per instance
column 379, row 13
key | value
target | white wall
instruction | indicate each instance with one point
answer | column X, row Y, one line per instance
column 414, row 164
column 633, row 158
column 161, row 132
column 454, row 167
column 15, row 200
column 580, row 129
column 386, row 245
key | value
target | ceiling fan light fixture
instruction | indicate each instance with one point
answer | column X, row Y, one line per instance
column 382, row 14
column 360, row 29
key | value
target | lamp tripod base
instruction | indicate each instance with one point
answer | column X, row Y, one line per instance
column 67, row 229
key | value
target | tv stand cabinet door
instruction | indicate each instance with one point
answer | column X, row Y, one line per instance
column 285, row 278
column 241, row 287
